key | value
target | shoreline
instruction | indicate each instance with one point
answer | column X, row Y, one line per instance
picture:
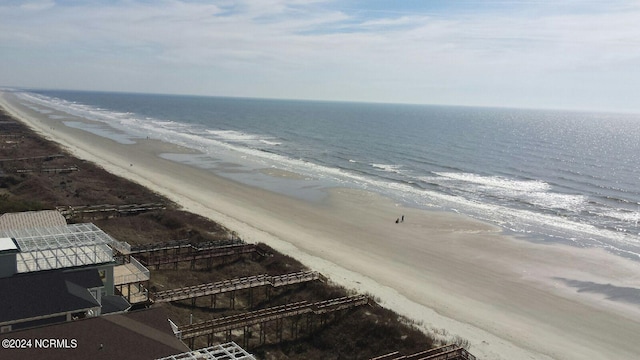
column 440, row 269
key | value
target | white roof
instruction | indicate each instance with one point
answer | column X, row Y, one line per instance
column 63, row 258
column 228, row 351
column 62, row 246
column 7, row 244
column 32, row 219
column 58, row 237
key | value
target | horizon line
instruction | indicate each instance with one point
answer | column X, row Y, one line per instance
column 124, row 92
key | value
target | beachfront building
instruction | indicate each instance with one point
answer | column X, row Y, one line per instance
column 59, row 272
column 144, row 334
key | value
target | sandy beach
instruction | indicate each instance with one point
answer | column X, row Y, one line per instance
column 511, row 298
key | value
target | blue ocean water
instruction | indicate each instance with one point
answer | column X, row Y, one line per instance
column 570, row 177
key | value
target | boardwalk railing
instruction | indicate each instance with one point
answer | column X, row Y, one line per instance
column 270, row 314
column 44, row 158
column 107, row 210
column 179, row 245
column 49, row 170
column 225, row 286
column 149, row 259
column 161, row 246
column 142, row 274
column 447, row 352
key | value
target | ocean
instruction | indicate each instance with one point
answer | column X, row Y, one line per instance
column 549, row 176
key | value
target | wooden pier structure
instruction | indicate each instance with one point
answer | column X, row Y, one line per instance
column 247, row 321
column 447, row 352
column 106, row 211
column 62, row 170
column 23, row 165
column 32, row 158
column 193, row 253
column 174, row 245
column 178, row 246
column 233, row 285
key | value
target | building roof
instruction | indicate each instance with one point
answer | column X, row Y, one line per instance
column 40, row 294
column 144, row 334
column 114, row 304
column 62, row 246
column 57, row 237
column 7, row 245
column 32, row 219
column 227, row 351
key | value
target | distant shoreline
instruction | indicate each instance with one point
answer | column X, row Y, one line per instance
column 572, row 110
column 440, row 269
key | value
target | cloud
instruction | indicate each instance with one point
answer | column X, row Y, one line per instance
column 318, row 49
column 37, row 5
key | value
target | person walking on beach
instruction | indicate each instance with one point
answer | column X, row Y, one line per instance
column 402, row 219
column 397, row 220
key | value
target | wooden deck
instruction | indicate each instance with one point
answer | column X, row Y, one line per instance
column 274, row 314
column 134, row 293
column 209, row 253
column 106, row 210
column 131, row 280
column 128, row 273
column 33, row 158
column 225, row 286
column 447, row 352
column 181, row 246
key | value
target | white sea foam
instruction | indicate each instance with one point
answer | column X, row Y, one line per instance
column 73, row 108
column 535, row 192
column 497, row 182
column 231, row 135
column 523, row 220
column 557, row 201
column 37, row 109
column 388, row 167
column 632, row 217
column 101, row 131
column 242, row 137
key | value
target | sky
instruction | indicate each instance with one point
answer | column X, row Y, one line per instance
column 563, row 54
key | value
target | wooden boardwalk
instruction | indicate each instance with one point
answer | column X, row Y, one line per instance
column 261, row 317
column 106, row 210
column 23, row 165
column 225, row 286
column 180, row 246
column 160, row 258
column 165, row 246
column 49, row 170
column 33, row 158
column 447, row 352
